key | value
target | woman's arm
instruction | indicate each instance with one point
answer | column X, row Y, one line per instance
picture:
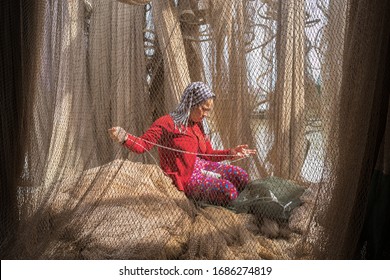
column 216, row 155
column 139, row 144
column 241, row 151
column 144, row 143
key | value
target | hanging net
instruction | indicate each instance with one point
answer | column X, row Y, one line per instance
column 88, row 65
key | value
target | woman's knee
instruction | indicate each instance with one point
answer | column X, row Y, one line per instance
column 227, row 192
column 216, row 191
column 238, row 176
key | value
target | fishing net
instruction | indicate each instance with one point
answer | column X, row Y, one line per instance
column 285, row 78
column 272, row 197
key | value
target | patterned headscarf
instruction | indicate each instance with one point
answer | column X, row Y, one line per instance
column 194, row 94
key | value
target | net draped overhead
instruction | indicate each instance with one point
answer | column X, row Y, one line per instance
column 286, row 79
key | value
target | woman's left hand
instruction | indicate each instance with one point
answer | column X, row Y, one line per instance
column 241, row 151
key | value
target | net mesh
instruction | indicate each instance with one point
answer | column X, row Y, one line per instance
column 282, row 75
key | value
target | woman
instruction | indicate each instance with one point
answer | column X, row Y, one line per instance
column 185, row 151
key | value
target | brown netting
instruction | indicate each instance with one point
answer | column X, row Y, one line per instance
column 286, row 82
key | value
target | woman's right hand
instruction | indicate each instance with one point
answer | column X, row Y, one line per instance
column 241, row 151
column 118, row 134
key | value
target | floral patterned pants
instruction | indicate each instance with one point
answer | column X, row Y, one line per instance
column 216, row 183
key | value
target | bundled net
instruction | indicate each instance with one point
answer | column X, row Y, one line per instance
column 276, row 68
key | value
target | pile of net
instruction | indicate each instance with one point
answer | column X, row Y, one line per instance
column 129, row 210
column 273, row 198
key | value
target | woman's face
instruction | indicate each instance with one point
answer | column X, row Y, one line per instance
column 202, row 110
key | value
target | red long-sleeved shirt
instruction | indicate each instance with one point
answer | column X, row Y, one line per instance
column 177, row 165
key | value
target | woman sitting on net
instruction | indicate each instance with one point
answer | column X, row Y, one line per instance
column 185, row 151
